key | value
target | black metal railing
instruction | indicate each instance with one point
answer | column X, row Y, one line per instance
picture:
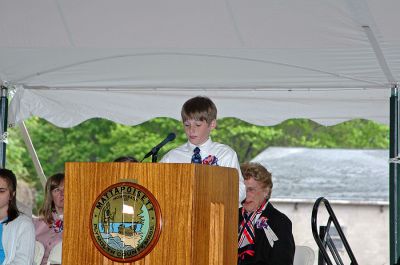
column 323, row 237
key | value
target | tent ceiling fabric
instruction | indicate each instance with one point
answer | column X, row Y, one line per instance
column 261, row 61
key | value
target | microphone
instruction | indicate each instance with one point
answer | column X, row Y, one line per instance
column 156, row 148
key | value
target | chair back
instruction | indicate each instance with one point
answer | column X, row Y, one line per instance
column 39, row 252
column 323, row 236
column 55, row 254
column 303, row 256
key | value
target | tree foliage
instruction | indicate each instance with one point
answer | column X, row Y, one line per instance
column 103, row 140
column 246, row 139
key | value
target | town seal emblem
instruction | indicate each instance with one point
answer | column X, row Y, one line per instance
column 125, row 222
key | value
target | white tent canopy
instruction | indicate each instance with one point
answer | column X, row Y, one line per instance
column 261, row 61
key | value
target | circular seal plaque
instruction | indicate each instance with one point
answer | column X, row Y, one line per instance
column 126, row 222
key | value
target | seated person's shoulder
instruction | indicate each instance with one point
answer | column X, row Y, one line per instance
column 37, row 220
column 22, row 220
column 40, row 224
column 280, row 217
column 25, row 218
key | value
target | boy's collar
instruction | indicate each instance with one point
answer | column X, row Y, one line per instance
column 203, row 145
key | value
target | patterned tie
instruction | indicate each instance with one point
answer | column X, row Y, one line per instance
column 196, row 158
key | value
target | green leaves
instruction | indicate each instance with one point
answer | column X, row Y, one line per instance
column 102, row 140
column 246, row 139
column 361, row 134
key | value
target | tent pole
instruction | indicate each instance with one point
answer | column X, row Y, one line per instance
column 394, row 183
column 394, row 165
column 32, row 153
column 3, row 125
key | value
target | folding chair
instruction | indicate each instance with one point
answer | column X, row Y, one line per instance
column 55, row 254
column 303, row 256
column 39, row 252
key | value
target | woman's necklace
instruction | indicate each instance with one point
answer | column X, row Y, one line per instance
column 58, row 224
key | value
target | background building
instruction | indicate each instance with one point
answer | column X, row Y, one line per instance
column 354, row 181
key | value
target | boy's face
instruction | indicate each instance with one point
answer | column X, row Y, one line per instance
column 197, row 131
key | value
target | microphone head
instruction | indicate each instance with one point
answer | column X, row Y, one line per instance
column 171, row 136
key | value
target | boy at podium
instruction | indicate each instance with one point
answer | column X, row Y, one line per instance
column 199, row 117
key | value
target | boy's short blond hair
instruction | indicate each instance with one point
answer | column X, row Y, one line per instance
column 199, row 108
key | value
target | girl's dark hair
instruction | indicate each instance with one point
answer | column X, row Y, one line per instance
column 11, row 180
column 126, row 159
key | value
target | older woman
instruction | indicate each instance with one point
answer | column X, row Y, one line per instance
column 17, row 234
column 49, row 225
column 265, row 234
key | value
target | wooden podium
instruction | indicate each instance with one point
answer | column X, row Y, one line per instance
column 199, row 206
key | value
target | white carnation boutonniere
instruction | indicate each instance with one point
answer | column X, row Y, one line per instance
column 262, row 223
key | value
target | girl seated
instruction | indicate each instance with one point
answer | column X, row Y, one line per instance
column 17, row 246
column 49, row 226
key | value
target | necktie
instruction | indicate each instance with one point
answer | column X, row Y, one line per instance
column 196, row 158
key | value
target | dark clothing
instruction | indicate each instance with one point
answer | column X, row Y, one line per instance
column 283, row 251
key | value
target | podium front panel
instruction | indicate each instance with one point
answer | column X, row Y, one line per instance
column 198, row 207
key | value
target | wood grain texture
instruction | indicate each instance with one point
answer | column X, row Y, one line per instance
column 185, row 192
column 216, row 250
